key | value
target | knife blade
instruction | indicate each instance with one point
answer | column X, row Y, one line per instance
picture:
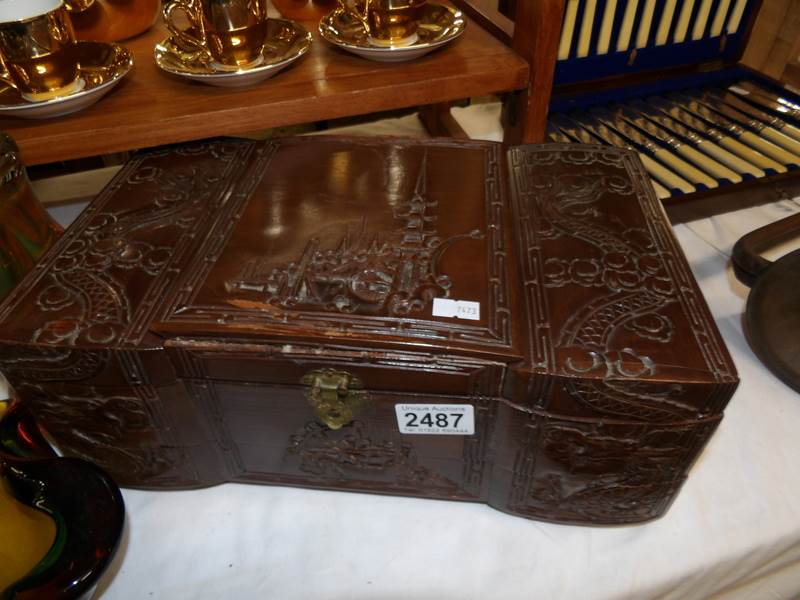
column 765, row 98
column 784, row 134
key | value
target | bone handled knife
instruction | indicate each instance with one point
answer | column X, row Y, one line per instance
column 762, row 130
column 716, row 167
column 640, row 114
column 712, row 139
column 664, row 138
column 776, row 130
column 646, row 153
column 750, row 150
column 756, row 140
column 589, row 131
column 654, row 148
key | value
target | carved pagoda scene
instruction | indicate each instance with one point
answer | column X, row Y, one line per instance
column 394, row 272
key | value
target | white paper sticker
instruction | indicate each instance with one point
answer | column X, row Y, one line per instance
column 456, row 309
column 435, row 419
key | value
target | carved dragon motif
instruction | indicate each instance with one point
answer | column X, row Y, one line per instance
column 627, row 268
column 86, row 294
column 609, row 474
column 52, row 363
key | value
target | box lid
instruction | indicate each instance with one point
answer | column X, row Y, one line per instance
column 260, row 261
column 356, row 242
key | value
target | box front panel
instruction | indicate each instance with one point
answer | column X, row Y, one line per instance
column 272, row 434
column 287, row 364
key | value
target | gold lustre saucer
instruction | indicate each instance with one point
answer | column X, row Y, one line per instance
column 286, row 42
column 101, row 66
column 439, row 25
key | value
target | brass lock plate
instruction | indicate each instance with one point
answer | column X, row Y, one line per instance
column 335, row 395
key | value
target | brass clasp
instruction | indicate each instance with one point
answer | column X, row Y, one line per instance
column 335, row 396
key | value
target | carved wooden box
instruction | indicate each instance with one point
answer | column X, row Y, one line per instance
column 319, row 312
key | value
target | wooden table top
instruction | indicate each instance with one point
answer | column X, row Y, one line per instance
column 151, row 107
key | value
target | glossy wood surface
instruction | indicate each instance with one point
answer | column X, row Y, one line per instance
column 151, row 108
column 526, row 122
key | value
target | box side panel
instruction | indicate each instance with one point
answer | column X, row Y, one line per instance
column 143, row 436
column 613, row 306
column 591, row 472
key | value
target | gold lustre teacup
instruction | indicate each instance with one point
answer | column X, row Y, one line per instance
column 387, row 22
column 37, row 48
column 231, row 32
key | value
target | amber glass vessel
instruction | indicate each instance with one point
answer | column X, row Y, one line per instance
column 65, row 516
column 26, row 230
column 32, row 530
